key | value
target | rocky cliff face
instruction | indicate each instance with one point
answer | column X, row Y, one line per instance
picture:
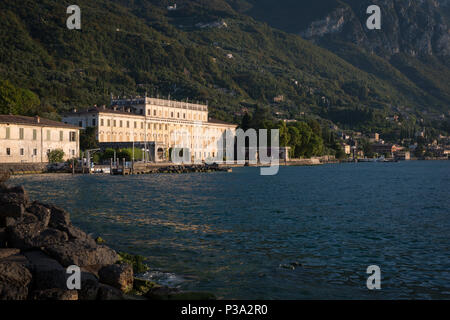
column 411, row 27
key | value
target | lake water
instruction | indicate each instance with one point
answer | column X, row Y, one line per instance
column 237, row 234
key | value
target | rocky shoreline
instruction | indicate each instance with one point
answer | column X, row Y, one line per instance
column 38, row 243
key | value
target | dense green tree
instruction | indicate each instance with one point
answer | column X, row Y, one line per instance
column 15, row 100
column 246, row 122
column 55, row 156
column 88, row 138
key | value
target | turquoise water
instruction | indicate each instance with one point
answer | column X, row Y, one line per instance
column 237, row 234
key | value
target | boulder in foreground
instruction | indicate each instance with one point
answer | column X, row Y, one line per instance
column 15, row 280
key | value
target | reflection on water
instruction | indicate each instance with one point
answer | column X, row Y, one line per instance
column 235, row 233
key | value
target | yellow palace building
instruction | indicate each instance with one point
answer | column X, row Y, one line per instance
column 156, row 125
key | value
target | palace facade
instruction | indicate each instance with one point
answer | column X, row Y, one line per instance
column 156, row 125
column 29, row 139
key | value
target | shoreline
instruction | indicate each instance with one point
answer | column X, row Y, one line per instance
column 167, row 168
column 39, row 244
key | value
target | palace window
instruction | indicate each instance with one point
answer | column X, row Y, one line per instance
column 115, row 123
column 154, row 112
column 135, row 124
column 34, row 134
column 21, row 134
column 72, row 136
column 8, row 133
column 102, row 123
column 22, row 152
column 94, row 123
column 142, row 125
column 120, row 123
column 61, row 136
column 48, row 135
column 34, row 152
column 8, row 151
column 128, row 124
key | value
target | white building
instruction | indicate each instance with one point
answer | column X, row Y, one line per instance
column 29, row 139
column 158, row 123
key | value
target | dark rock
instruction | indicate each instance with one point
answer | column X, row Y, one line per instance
column 14, row 281
column 59, row 218
column 94, row 269
column 22, row 235
column 161, row 293
column 19, row 190
column 119, row 276
column 5, row 253
column 7, row 222
column 75, row 233
column 11, row 205
column 89, row 286
column 106, row 292
column 81, row 254
column 50, row 237
column 55, row 294
column 28, row 218
column 3, row 237
column 47, row 272
column 40, row 211
column 16, row 258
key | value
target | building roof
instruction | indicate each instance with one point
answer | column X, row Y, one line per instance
column 216, row 121
column 34, row 121
column 95, row 110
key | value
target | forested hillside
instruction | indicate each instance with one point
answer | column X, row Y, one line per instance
column 206, row 50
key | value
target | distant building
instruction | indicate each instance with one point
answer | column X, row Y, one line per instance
column 402, row 155
column 346, row 148
column 158, row 123
column 29, row 139
column 172, row 8
column 381, row 148
column 374, row 137
column 279, row 98
column 420, row 134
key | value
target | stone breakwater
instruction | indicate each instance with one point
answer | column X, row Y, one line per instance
column 37, row 244
column 179, row 169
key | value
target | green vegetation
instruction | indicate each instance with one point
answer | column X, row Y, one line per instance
column 124, row 153
column 88, row 138
column 55, row 156
column 139, row 47
column 304, row 139
column 136, row 261
column 141, row 287
column 15, row 100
